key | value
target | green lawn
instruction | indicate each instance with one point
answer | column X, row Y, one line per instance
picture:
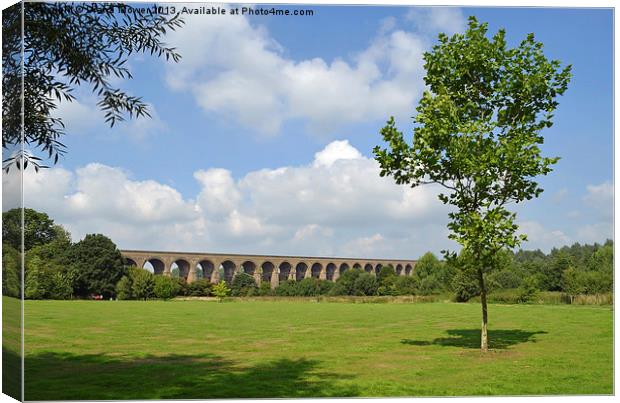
column 199, row 349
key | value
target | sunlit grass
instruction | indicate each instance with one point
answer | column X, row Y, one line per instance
column 199, row 349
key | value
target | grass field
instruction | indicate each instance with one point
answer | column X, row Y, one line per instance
column 199, row 349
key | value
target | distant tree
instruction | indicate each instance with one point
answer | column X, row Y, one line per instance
column 243, row 284
column 286, row 289
column 477, row 135
column 602, row 260
column 308, row 287
column 407, row 285
column 67, row 46
column 528, row 290
column 506, row 278
column 142, row 284
column 39, row 228
column 365, row 284
column 123, row 288
column 551, row 273
column 11, row 271
column 62, row 285
column 165, row 287
column 385, row 272
column 427, row 265
column 221, row 290
column 38, row 281
column 199, row 288
column 345, row 285
column 98, row 265
column 265, row 289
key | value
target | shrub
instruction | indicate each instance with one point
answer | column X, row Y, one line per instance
column 385, row 273
column 504, row 279
column 406, row 286
column 365, row 284
column 142, row 284
column 286, row 289
column 242, row 285
column 62, row 285
column 37, row 283
column 265, row 289
column 123, row 288
column 429, row 285
column 345, row 285
column 325, row 287
column 528, row 291
column 308, row 287
column 165, row 287
column 11, row 271
column 465, row 287
column 198, row 288
column 184, row 288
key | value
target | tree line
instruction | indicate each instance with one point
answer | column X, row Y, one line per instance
column 57, row 268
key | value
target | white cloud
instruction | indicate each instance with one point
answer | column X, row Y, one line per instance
column 236, row 69
column 540, row 237
column 601, row 198
column 597, row 232
column 335, row 151
column 335, row 205
column 437, row 19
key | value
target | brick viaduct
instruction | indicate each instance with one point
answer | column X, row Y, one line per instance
column 264, row 268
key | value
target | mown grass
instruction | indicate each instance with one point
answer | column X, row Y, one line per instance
column 200, row 349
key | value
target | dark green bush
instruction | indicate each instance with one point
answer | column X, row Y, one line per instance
column 308, row 287
column 286, row 289
column 199, row 288
column 528, row 291
column 406, row 286
column 504, row 279
column 365, row 284
column 345, row 285
column 243, row 285
column 465, row 287
column 142, row 283
column 265, row 289
column 429, row 285
column 325, row 287
column 165, row 287
column 123, row 288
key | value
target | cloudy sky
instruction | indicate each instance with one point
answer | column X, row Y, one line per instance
column 261, row 137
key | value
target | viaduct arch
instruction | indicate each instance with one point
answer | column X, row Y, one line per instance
column 264, row 268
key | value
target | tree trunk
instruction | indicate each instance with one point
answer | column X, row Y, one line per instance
column 484, row 338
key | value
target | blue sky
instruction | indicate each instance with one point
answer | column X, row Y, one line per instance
column 262, row 131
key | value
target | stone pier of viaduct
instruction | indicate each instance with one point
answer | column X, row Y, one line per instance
column 264, row 268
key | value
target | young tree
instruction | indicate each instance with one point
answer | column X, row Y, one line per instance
column 477, row 134
column 67, row 45
column 221, row 290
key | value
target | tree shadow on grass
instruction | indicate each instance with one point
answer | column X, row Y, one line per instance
column 65, row 376
column 470, row 338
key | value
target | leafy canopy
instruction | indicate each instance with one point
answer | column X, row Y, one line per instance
column 67, row 45
column 477, row 132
